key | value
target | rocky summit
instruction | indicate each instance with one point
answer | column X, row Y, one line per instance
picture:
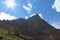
column 33, row 28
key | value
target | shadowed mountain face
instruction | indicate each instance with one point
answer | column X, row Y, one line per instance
column 34, row 28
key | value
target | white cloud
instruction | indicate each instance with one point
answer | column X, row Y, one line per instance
column 26, row 17
column 55, row 24
column 56, row 5
column 5, row 16
column 38, row 14
column 32, row 15
column 41, row 16
column 28, row 7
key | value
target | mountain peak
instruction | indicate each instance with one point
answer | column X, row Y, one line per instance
column 36, row 16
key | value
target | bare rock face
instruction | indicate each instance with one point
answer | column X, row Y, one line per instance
column 33, row 28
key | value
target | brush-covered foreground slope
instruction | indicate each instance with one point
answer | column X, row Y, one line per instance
column 7, row 35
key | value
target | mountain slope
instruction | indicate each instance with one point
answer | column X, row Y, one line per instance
column 33, row 28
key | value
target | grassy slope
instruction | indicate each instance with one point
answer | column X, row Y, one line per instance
column 6, row 35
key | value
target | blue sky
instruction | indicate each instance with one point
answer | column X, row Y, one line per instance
column 49, row 10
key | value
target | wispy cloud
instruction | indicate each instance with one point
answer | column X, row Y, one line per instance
column 41, row 16
column 56, row 5
column 56, row 24
column 26, row 17
column 29, row 5
column 32, row 15
column 38, row 14
column 5, row 16
column 28, row 8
